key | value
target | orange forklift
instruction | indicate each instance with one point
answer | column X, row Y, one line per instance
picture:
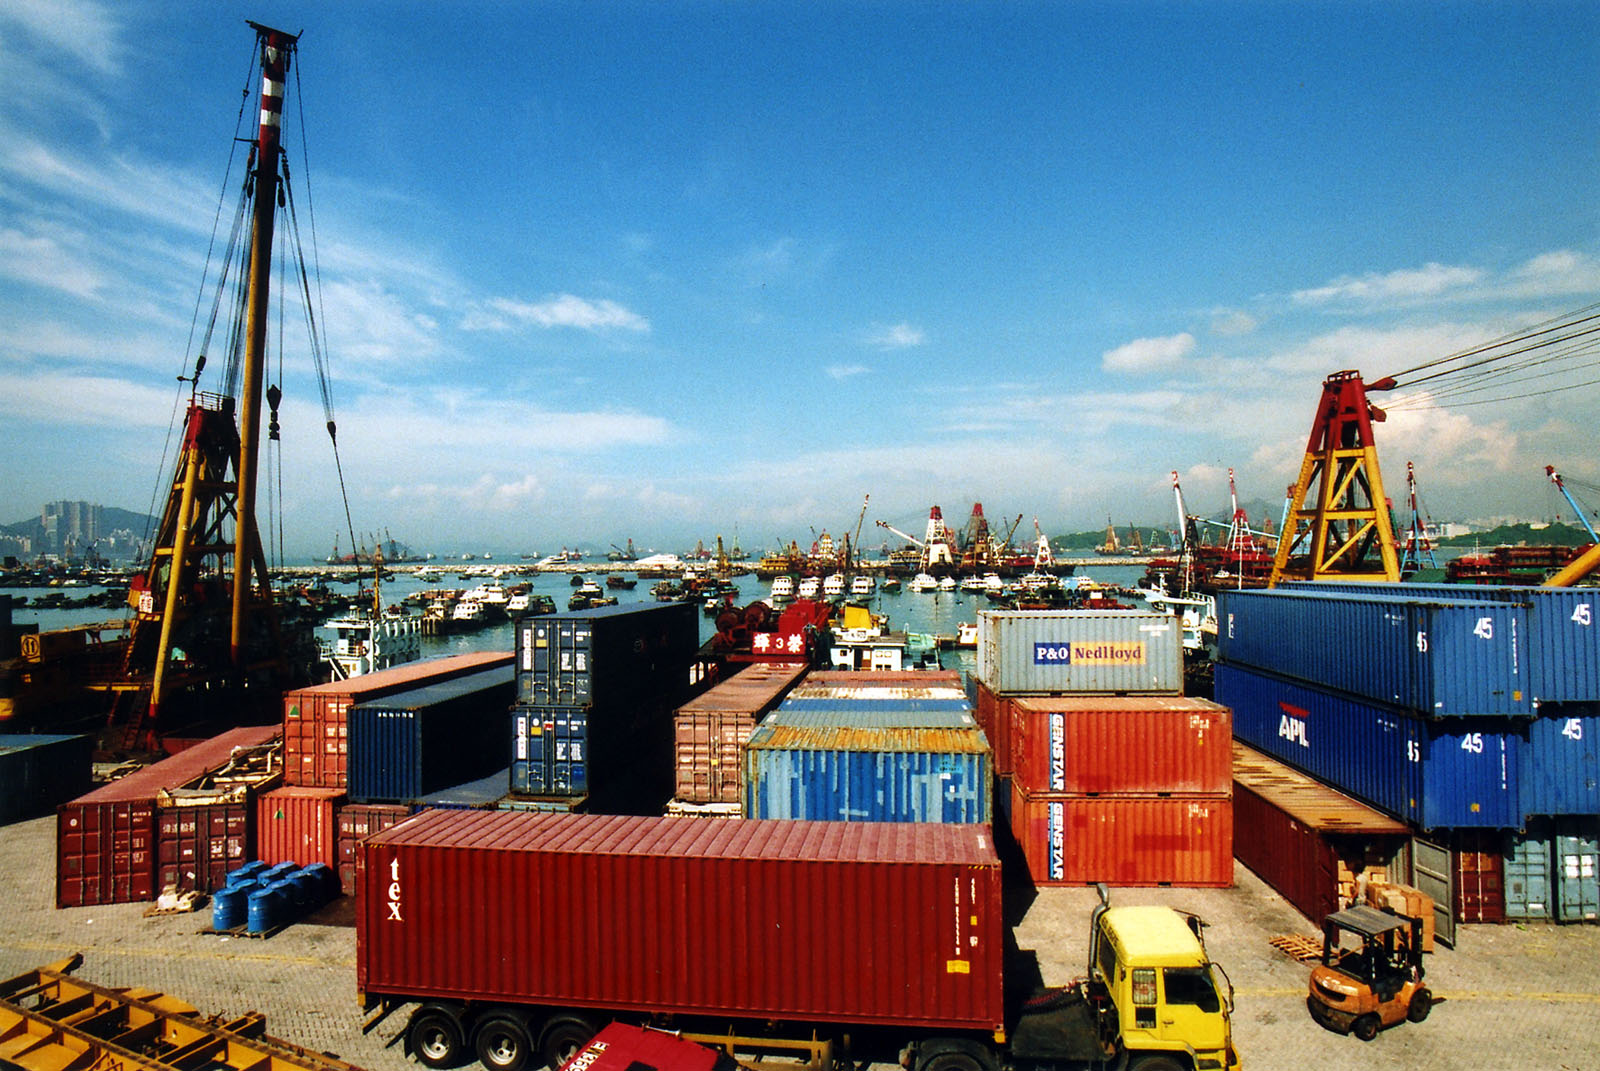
column 1371, row 972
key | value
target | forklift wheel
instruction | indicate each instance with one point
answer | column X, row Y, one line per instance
column 1366, row 1027
column 1421, row 1005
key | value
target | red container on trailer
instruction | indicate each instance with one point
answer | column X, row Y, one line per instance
column 316, row 719
column 1120, row 745
column 357, row 822
column 1125, row 840
column 860, row 922
column 1308, row 841
column 710, row 730
column 298, row 824
column 197, row 844
column 106, row 840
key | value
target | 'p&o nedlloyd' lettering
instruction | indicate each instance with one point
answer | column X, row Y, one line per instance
column 1108, row 653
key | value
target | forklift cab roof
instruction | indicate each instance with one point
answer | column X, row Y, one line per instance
column 1366, row 921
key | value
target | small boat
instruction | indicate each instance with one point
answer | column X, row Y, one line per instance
column 362, row 644
column 924, row 582
column 782, row 588
column 620, row 582
column 891, row 585
column 810, row 587
column 834, row 587
column 947, row 583
column 467, row 614
column 862, row 585
column 967, row 635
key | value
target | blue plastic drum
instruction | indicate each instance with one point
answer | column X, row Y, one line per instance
column 228, row 908
column 329, row 880
column 264, row 910
column 308, row 889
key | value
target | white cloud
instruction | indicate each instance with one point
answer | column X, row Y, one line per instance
column 1430, row 281
column 1556, row 273
column 1232, row 322
column 41, row 261
column 896, row 337
column 563, row 310
column 82, row 29
column 845, row 371
column 1148, row 354
column 95, row 401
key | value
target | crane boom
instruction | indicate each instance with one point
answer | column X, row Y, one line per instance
column 903, row 535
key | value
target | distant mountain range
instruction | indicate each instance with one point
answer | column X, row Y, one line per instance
column 111, row 520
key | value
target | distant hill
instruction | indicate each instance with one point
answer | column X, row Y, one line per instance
column 111, row 519
column 1512, row 535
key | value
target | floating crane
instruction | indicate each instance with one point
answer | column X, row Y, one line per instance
column 1589, row 560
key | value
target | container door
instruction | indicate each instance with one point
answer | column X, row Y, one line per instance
column 1528, row 875
column 1432, row 873
column 1577, row 858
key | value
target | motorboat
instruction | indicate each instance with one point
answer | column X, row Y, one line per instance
column 782, row 588
column 862, row 585
column 924, row 582
column 834, row 586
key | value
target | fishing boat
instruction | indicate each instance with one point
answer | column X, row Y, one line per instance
column 782, row 588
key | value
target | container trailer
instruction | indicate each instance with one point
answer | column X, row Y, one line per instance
column 516, row 937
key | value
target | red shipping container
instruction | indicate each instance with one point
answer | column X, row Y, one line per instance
column 751, row 919
column 1125, row 840
column 316, row 719
column 1480, row 875
column 710, row 730
column 197, row 844
column 298, row 824
column 1120, row 745
column 106, row 840
column 994, row 718
column 1296, row 834
column 357, row 822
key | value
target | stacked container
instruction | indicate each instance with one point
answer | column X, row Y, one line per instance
column 357, row 822
column 406, row 745
column 1113, row 775
column 709, row 731
column 298, row 824
column 595, row 691
column 40, row 771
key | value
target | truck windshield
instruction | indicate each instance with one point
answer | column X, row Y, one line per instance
column 1191, row 985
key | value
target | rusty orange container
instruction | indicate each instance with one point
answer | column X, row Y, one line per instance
column 299, row 824
column 710, row 730
column 316, row 720
column 1124, row 840
column 1120, row 745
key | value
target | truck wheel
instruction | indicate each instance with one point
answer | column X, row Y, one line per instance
column 502, row 1043
column 953, row 1055
column 435, row 1036
column 1366, row 1027
column 1157, row 1063
column 562, row 1039
column 1421, row 1005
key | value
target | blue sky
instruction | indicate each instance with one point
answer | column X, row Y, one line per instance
column 665, row 271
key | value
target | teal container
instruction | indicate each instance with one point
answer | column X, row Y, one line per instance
column 1577, row 845
column 1528, row 875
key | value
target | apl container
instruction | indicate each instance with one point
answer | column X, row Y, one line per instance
column 1437, row 658
column 1561, row 763
column 505, row 906
column 606, row 654
column 106, row 840
column 1563, row 630
column 406, row 745
column 1456, row 773
column 1055, row 652
column 1307, row 841
column 868, row 773
column 37, row 772
column 1127, row 841
column 1121, row 745
column 316, row 731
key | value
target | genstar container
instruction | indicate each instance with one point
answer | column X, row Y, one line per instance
column 1120, row 745
column 1124, row 840
column 737, row 919
column 1055, row 652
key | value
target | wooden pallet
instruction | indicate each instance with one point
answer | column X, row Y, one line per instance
column 1298, row 947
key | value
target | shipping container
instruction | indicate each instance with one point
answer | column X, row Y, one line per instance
column 316, row 732
column 879, row 716
column 1436, row 774
column 1315, row 846
column 1054, row 652
column 299, row 824
column 39, row 771
column 479, row 794
column 607, row 654
column 994, row 718
column 198, row 844
column 1561, row 762
column 880, row 678
column 1124, row 840
column 868, row 774
column 406, row 745
column 357, row 822
column 811, row 692
column 1577, row 866
column 1480, row 876
column 106, row 839
column 958, row 703
column 1437, row 658
column 1563, row 637
column 1527, row 863
column 1121, row 745
column 749, row 919
column 618, row 753
column 709, row 731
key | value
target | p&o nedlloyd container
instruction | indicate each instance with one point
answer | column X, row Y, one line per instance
column 736, row 920
column 1054, row 652
column 1437, row 658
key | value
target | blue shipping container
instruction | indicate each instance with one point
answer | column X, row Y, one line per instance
column 1563, row 633
column 1437, row 658
column 1561, row 763
column 1460, row 773
column 868, row 775
column 409, row 744
column 550, row 751
column 39, row 771
column 606, row 653
column 481, row 794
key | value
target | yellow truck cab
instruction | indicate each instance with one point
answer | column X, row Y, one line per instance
column 1171, row 1003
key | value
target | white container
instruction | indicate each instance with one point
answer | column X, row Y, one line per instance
column 1079, row 652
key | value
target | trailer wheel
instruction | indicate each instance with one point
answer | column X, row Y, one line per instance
column 953, row 1055
column 562, row 1039
column 1366, row 1027
column 434, row 1034
column 502, row 1043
